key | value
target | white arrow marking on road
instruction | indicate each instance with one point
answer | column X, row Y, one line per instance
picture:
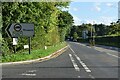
column 74, row 63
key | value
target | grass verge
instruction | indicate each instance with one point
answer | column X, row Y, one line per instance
column 34, row 54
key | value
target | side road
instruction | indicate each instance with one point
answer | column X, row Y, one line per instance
column 104, row 47
column 53, row 55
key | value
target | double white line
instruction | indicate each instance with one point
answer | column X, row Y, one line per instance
column 80, row 61
column 83, row 64
column 74, row 63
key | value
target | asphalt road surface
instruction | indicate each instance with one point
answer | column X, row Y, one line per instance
column 78, row 61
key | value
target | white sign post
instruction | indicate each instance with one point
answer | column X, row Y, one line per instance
column 15, row 40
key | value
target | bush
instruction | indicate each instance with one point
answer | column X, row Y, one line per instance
column 109, row 41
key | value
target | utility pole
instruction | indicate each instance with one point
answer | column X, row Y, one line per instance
column 91, row 37
column 119, row 12
column 93, row 33
column 92, row 40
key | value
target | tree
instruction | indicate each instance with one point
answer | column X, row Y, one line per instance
column 65, row 24
column 44, row 15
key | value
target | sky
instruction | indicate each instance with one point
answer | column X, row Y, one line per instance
column 93, row 12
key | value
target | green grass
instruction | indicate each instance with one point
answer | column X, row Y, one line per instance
column 35, row 54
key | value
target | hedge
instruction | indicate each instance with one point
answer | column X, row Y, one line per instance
column 109, row 41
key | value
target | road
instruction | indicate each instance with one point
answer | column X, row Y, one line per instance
column 78, row 61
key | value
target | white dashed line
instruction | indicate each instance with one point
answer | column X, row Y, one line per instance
column 88, row 46
column 92, row 76
column 74, row 63
column 83, row 64
column 78, row 76
column 25, row 74
column 31, row 71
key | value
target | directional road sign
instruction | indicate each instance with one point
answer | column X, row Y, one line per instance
column 20, row 30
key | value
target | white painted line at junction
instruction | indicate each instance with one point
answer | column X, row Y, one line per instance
column 74, row 63
column 112, row 55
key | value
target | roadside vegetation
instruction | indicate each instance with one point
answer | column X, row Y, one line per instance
column 51, row 26
column 35, row 54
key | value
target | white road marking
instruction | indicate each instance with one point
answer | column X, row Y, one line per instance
column 113, row 55
column 92, row 76
column 31, row 71
column 106, row 52
column 78, row 76
column 88, row 46
column 80, row 61
column 74, row 63
column 25, row 74
column 71, row 49
column 83, row 64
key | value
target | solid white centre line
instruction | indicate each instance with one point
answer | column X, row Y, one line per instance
column 74, row 63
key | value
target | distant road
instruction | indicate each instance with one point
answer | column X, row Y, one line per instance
column 78, row 61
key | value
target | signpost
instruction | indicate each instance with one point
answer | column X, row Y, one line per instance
column 16, row 30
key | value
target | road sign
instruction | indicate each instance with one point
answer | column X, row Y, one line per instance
column 20, row 30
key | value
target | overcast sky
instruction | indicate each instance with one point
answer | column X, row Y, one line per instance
column 94, row 12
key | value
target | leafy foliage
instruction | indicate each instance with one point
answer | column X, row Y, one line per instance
column 50, row 22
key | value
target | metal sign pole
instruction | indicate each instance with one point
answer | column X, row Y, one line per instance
column 29, row 39
column 14, row 49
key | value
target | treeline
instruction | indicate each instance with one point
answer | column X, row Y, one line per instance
column 51, row 23
column 98, row 33
column 98, row 30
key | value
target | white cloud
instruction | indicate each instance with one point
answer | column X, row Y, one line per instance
column 109, row 4
column 77, row 21
column 108, row 19
column 75, row 9
column 97, row 7
column 103, row 19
